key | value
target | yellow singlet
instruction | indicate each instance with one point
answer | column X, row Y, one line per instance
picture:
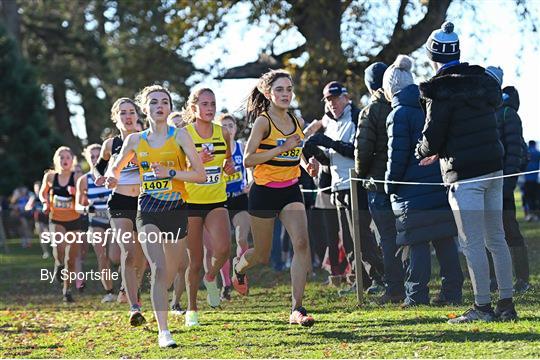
column 213, row 189
column 285, row 166
column 160, row 194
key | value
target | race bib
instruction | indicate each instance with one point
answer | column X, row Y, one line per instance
column 234, row 177
column 293, row 154
column 62, row 202
column 153, row 185
column 213, row 175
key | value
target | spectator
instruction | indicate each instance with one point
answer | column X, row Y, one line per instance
column 371, row 155
column 511, row 136
column 531, row 192
column 422, row 212
column 460, row 103
column 339, row 125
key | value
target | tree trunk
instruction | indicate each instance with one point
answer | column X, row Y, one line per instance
column 319, row 22
column 62, row 116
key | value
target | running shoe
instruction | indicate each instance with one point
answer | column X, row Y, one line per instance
column 212, row 290
column 299, row 316
column 347, row 291
column 165, row 339
column 108, row 298
column 177, row 309
column 521, row 286
column 226, row 293
column 192, row 318
column 81, row 285
column 68, row 298
column 122, row 297
column 375, row 288
column 136, row 318
column 239, row 281
column 473, row 314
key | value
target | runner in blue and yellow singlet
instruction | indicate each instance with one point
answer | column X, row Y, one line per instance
column 161, row 152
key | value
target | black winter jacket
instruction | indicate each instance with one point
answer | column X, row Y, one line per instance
column 460, row 104
column 371, row 148
column 511, row 135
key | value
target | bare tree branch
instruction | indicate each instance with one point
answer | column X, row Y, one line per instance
column 406, row 41
column 255, row 68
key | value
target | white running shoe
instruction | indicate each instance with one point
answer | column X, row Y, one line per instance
column 213, row 298
column 165, row 339
column 108, row 298
column 192, row 318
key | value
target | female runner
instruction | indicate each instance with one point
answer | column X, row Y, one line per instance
column 57, row 194
column 274, row 149
column 161, row 153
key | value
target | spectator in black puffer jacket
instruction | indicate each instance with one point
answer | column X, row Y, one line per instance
column 370, row 156
column 422, row 213
column 460, row 102
column 511, row 135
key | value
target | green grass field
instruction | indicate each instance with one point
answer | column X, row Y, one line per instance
column 35, row 324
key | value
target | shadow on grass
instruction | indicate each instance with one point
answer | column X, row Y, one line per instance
column 447, row 336
column 9, row 329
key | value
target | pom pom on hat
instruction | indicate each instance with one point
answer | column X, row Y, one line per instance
column 398, row 76
column 443, row 44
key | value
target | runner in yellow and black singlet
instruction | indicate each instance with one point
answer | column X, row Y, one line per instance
column 206, row 201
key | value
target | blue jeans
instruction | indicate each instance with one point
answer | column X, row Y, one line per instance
column 385, row 222
column 418, row 265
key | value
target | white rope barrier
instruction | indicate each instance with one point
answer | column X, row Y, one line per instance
column 373, row 181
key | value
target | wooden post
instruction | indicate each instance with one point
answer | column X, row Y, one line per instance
column 356, row 237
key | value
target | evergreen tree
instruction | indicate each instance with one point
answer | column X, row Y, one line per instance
column 26, row 142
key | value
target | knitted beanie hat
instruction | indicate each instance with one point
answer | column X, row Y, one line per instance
column 495, row 72
column 373, row 75
column 443, row 44
column 398, row 76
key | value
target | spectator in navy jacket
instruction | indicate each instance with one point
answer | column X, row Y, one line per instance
column 422, row 212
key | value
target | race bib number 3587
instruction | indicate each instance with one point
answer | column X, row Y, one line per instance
column 293, row 154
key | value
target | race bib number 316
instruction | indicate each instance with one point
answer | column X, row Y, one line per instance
column 213, row 175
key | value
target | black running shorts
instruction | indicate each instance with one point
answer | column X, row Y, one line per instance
column 267, row 202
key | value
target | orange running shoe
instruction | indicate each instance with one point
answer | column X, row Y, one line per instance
column 299, row 316
column 239, row 281
column 136, row 317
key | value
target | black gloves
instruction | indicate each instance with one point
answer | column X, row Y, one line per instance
column 320, row 139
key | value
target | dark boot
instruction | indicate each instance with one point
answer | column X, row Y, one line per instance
column 520, row 259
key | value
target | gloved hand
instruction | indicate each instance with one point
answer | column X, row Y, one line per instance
column 320, row 139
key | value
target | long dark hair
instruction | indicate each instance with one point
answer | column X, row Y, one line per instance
column 257, row 103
